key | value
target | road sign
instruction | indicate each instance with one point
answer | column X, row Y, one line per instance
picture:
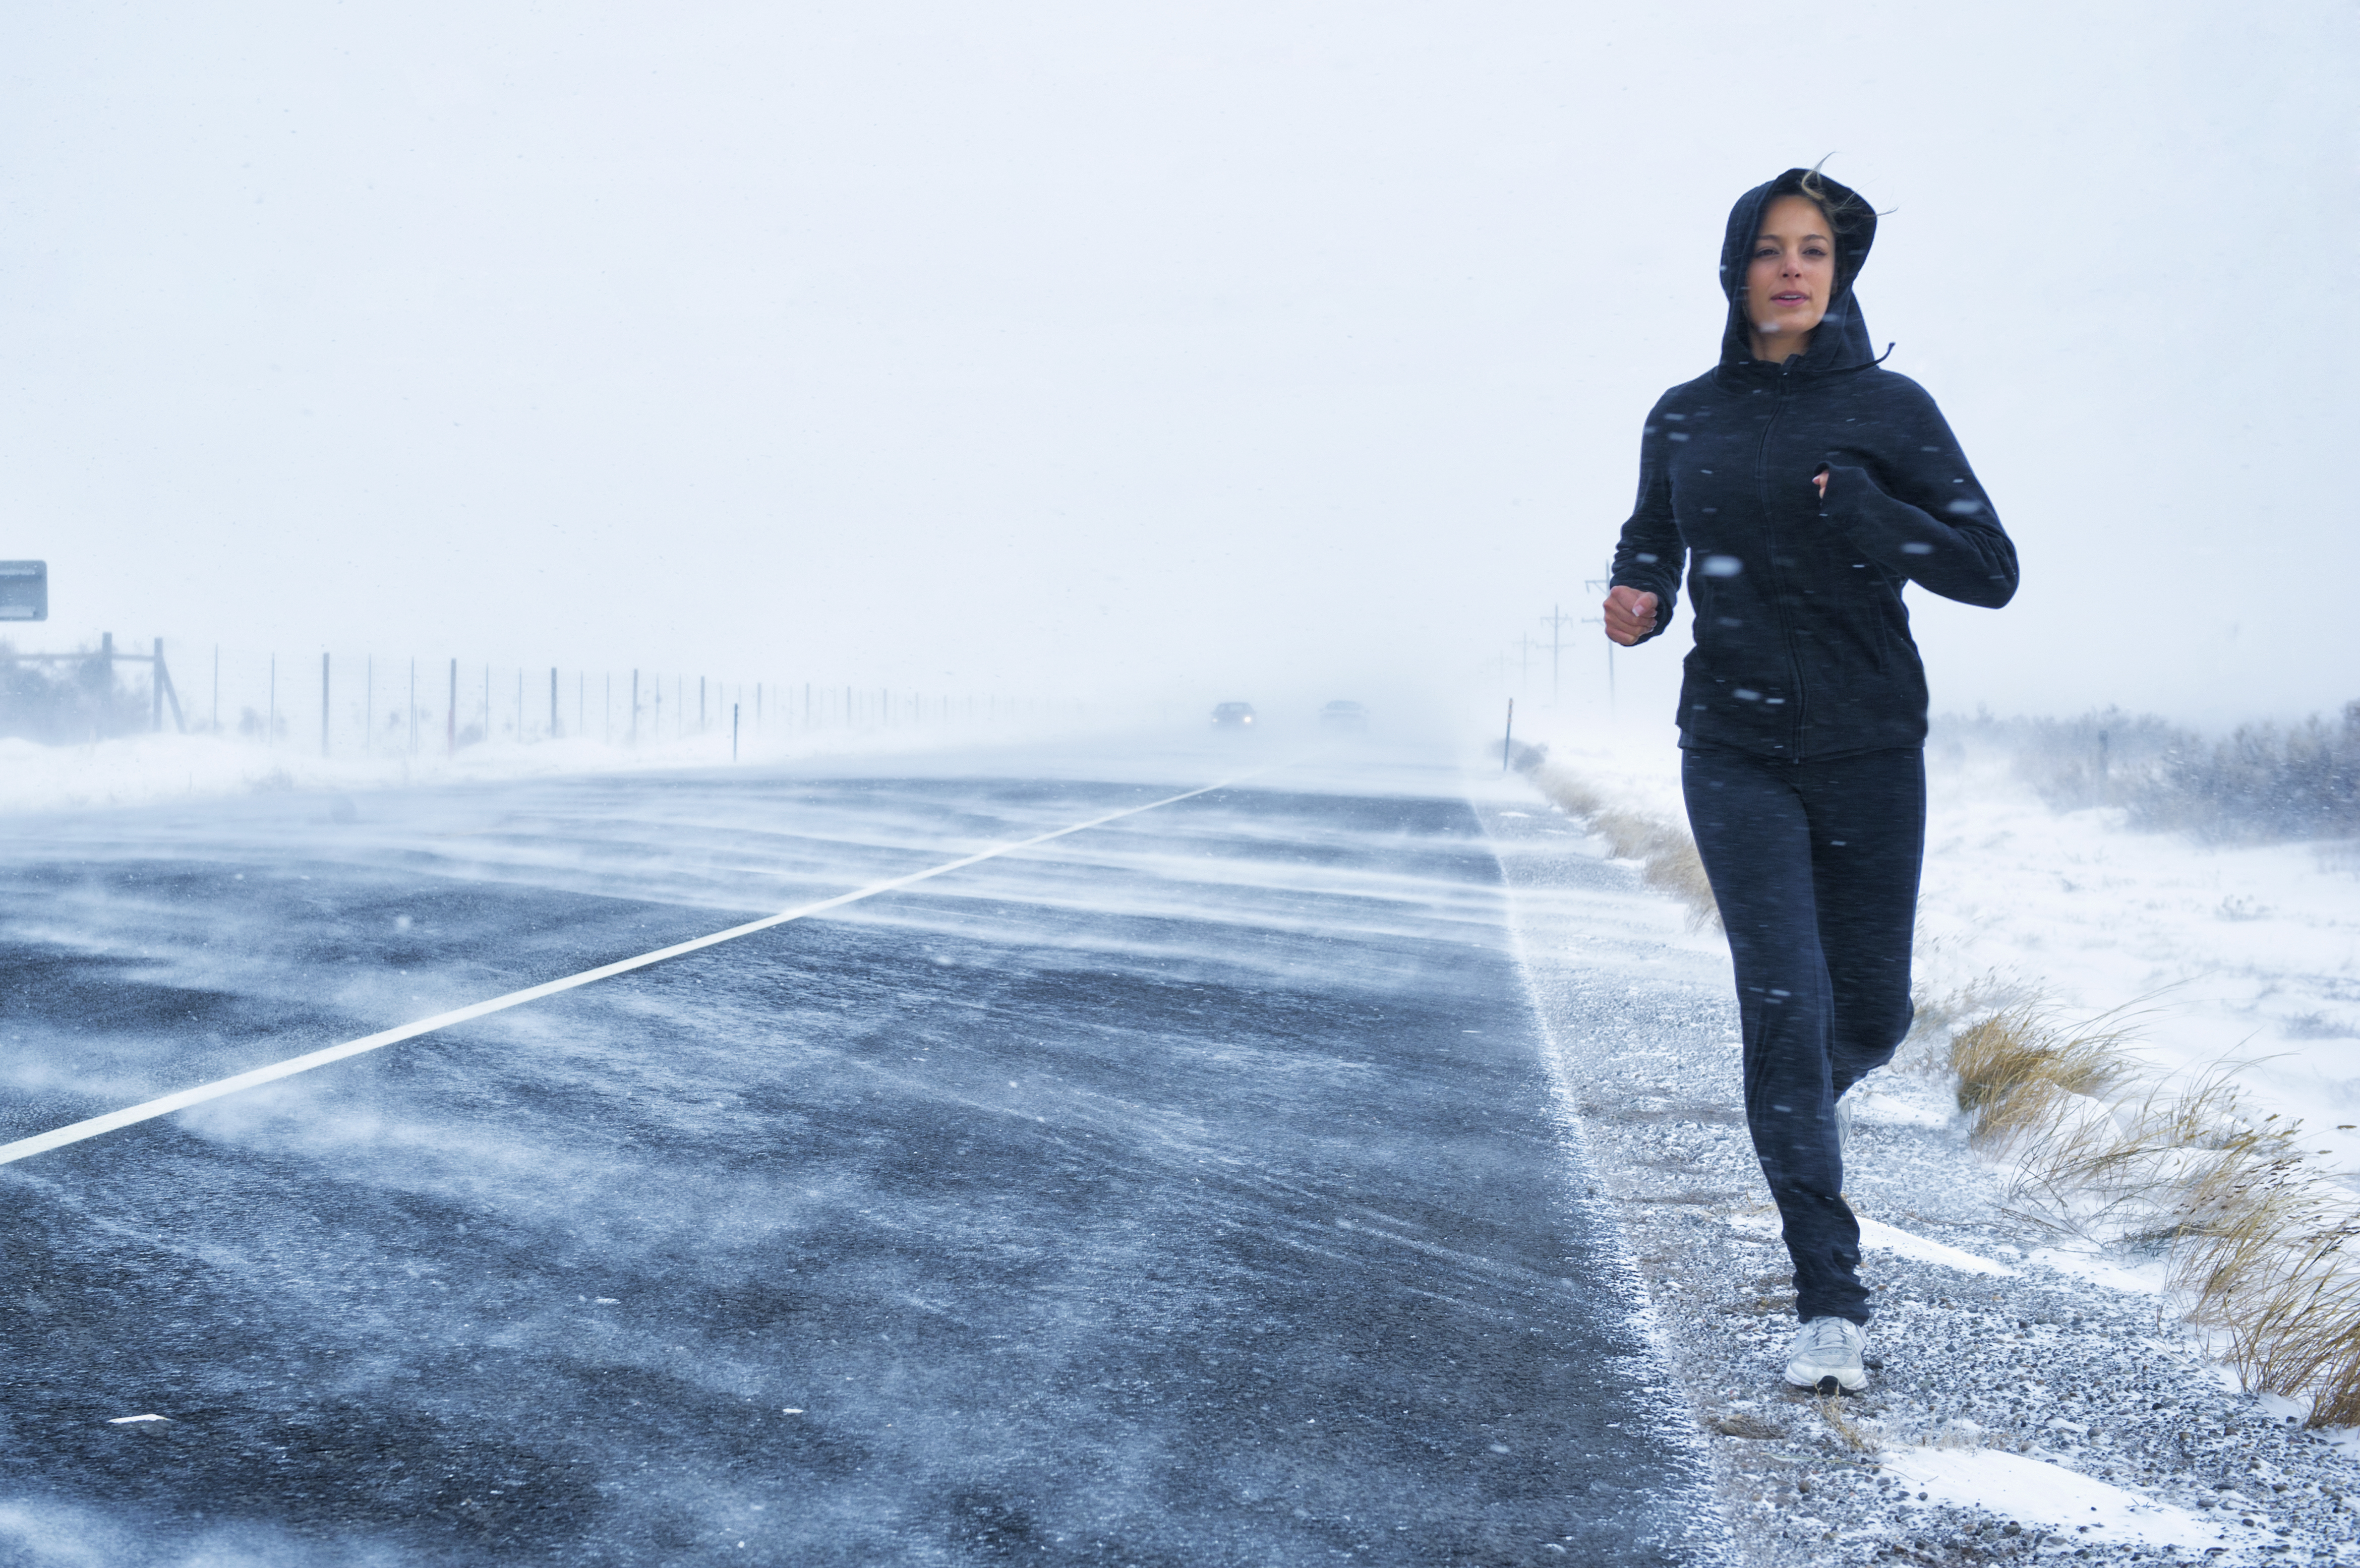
column 23, row 590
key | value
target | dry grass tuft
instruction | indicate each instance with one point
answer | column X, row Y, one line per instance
column 2261, row 1241
column 2260, row 1244
column 1938, row 1016
column 2026, row 1079
column 1666, row 854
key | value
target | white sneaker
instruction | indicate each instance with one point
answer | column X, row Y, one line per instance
column 1826, row 1357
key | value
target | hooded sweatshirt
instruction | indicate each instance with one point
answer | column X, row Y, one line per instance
column 1802, row 643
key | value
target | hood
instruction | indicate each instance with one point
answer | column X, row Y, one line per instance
column 1842, row 341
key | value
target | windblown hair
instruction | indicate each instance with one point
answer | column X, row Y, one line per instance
column 1848, row 216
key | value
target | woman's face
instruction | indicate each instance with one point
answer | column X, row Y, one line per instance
column 1792, row 274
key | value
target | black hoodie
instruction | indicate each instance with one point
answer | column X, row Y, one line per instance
column 1802, row 643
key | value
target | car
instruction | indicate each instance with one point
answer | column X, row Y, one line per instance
column 1341, row 714
column 1233, row 716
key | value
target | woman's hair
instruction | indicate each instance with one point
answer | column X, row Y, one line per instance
column 1846, row 213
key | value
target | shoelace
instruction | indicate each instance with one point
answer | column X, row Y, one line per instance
column 1826, row 1336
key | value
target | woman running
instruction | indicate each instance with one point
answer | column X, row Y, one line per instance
column 1800, row 485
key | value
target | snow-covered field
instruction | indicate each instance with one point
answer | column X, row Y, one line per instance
column 2244, row 954
column 2241, row 954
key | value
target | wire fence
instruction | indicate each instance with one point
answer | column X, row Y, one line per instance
column 372, row 704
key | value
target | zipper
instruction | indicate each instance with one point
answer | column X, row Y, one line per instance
column 1762, row 494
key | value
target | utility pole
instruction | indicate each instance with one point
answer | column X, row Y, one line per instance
column 451, row 715
column 1524, row 647
column 324, row 705
column 1557, row 620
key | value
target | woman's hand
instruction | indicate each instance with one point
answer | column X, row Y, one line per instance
column 1821, row 479
column 1630, row 614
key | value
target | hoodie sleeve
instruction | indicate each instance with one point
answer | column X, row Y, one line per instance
column 1913, row 505
column 1649, row 555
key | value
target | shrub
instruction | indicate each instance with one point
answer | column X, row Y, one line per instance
column 2261, row 782
column 63, row 704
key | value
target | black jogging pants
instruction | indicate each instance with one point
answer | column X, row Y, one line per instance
column 1815, row 866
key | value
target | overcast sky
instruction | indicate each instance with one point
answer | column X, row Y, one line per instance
column 1199, row 349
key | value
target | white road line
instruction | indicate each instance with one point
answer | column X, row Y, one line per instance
column 132, row 1114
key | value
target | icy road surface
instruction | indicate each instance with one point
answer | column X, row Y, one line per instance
column 1189, row 1190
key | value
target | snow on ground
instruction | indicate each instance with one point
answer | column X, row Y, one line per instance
column 2036, row 1394
column 2037, row 1492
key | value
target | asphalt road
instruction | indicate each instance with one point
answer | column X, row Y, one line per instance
column 1190, row 1190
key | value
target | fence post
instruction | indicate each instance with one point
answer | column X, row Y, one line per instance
column 552, row 701
column 171, row 692
column 324, row 705
column 733, row 732
column 451, row 715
